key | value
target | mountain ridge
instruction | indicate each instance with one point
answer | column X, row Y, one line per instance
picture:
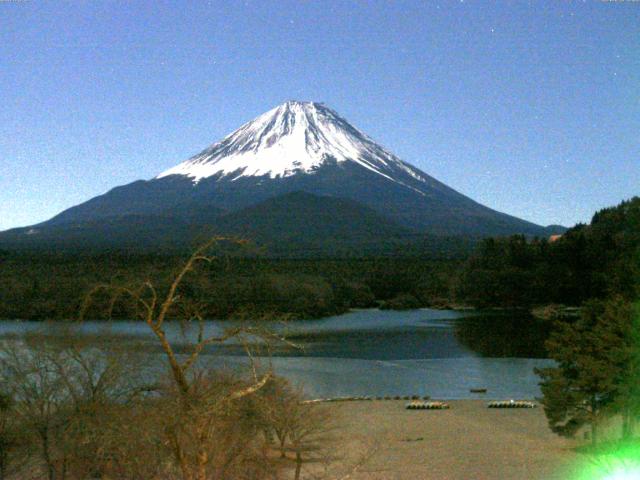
column 298, row 147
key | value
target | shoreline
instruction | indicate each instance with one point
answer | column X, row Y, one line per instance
column 463, row 442
column 539, row 312
column 417, row 398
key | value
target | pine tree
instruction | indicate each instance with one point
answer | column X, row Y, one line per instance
column 592, row 377
column 627, row 360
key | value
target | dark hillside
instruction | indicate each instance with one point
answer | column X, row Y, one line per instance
column 588, row 261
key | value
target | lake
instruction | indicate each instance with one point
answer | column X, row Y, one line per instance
column 441, row 353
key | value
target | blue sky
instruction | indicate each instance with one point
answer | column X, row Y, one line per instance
column 532, row 108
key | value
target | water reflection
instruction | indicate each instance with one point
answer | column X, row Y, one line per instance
column 425, row 352
column 513, row 334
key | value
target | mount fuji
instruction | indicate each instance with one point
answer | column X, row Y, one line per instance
column 285, row 173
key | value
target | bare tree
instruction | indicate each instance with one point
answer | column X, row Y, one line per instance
column 64, row 389
column 227, row 432
column 92, row 416
column 310, row 436
column 276, row 399
column 155, row 311
column 6, row 440
column 104, row 387
column 200, row 404
column 13, row 453
column 304, row 432
column 40, row 399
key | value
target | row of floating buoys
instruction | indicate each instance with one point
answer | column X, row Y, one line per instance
column 417, row 405
column 406, row 397
column 511, row 404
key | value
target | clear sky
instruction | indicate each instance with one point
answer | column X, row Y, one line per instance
column 532, row 108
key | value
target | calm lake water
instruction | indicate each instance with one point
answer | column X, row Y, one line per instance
column 440, row 353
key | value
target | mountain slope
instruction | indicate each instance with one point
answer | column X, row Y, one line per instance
column 305, row 217
column 296, row 147
column 297, row 224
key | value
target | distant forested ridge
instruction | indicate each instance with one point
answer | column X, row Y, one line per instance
column 588, row 261
column 38, row 286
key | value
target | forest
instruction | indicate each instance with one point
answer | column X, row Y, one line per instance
column 588, row 261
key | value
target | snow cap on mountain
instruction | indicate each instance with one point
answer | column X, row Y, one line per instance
column 294, row 137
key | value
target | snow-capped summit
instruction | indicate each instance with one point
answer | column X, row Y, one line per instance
column 295, row 137
column 272, row 164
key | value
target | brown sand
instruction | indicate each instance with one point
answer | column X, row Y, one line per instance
column 469, row 441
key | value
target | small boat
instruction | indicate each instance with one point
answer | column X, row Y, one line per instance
column 478, row 390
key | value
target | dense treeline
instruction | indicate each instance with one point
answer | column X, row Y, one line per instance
column 588, row 261
column 597, row 375
column 34, row 287
column 597, row 368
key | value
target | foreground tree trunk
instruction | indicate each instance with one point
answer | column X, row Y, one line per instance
column 626, row 431
column 202, row 456
column 594, row 421
column 298, row 465
column 628, row 424
column 46, row 453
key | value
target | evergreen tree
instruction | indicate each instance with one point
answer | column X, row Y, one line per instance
column 592, row 355
column 627, row 360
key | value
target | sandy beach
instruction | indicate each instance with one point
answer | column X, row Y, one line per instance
column 469, row 441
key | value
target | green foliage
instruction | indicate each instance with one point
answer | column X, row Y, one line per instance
column 504, row 334
column 592, row 376
column 38, row 286
column 403, row 301
column 627, row 361
column 593, row 261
